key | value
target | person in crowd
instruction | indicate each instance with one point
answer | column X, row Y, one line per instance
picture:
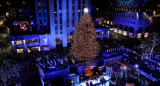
column 87, row 84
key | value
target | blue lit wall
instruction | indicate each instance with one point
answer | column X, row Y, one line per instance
column 41, row 14
column 64, row 73
column 127, row 16
column 45, row 40
column 63, row 17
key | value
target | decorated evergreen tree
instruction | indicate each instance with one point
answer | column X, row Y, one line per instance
column 84, row 46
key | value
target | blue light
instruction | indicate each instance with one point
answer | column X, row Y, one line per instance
column 31, row 22
column 136, row 66
column 15, row 24
column 52, row 67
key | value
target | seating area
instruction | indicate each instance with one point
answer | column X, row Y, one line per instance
column 115, row 67
column 151, row 65
column 143, row 66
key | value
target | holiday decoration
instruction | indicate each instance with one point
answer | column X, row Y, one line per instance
column 85, row 47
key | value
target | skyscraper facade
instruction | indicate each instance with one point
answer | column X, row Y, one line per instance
column 59, row 17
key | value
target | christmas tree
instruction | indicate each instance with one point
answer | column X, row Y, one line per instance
column 84, row 46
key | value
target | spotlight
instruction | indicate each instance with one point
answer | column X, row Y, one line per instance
column 86, row 10
column 136, row 66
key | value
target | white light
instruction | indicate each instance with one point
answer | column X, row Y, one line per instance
column 86, row 10
column 137, row 16
column 45, row 40
column 13, row 43
column 125, row 67
column 24, row 41
column 125, row 33
column 154, row 12
column 136, row 66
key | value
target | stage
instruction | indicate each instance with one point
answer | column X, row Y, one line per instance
column 96, row 82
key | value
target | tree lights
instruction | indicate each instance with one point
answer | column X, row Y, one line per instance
column 85, row 46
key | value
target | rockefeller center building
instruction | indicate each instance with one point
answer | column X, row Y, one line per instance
column 55, row 22
column 133, row 17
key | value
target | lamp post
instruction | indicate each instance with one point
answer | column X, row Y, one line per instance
column 137, row 69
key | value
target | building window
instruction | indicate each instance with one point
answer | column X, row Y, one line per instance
column 55, row 5
column 125, row 33
column 20, row 50
column 139, row 35
column 58, row 40
column 56, row 32
column 39, row 4
column 61, row 32
column 34, row 49
column 72, row 23
column 8, row 3
column 130, row 35
column 18, row 42
column 98, row 33
column 33, row 41
column 45, row 24
column 146, row 34
column 43, row 4
column 20, row 10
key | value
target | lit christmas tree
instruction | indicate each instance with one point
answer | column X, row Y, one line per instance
column 84, row 46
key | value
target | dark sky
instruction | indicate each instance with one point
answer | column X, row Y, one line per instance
column 101, row 4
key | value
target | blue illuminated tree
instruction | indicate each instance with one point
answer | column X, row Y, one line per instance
column 8, row 70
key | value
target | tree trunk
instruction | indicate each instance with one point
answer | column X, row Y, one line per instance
column 152, row 49
column 4, row 82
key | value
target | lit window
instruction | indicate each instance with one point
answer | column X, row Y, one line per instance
column 34, row 49
column 13, row 43
column 120, row 31
column 39, row 10
column 43, row 4
column 18, row 42
column 125, row 33
column 146, row 34
column 111, row 23
column 107, row 22
column 19, row 50
column 7, row 14
column 130, row 35
column 39, row 4
column 8, row 3
column 20, row 10
column 115, row 30
column 139, row 35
